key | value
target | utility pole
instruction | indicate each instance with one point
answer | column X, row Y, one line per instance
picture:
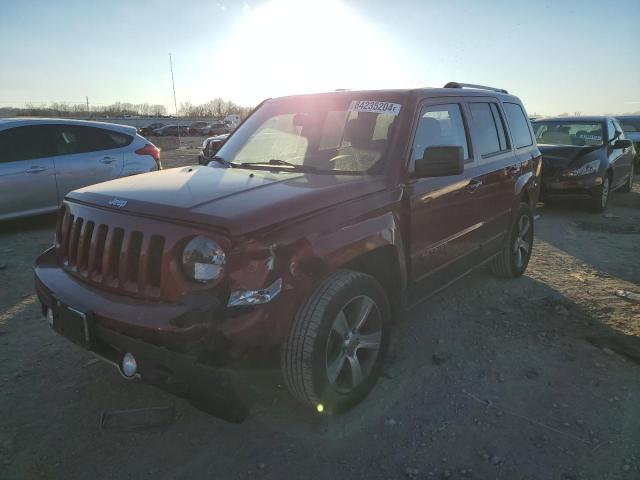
column 87, row 97
column 175, row 102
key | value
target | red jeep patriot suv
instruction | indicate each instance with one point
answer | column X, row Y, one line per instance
column 320, row 219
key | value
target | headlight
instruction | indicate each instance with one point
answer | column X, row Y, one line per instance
column 586, row 169
column 203, row 259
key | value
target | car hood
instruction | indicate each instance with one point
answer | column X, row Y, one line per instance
column 236, row 200
column 558, row 157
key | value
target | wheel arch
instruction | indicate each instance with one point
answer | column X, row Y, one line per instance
column 373, row 246
column 384, row 265
column 526, row 190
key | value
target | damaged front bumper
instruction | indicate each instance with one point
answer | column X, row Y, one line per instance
column 579, row 188
column 172, row 349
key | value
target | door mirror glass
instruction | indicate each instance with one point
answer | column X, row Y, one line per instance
column 440, row 161
column 623, row 143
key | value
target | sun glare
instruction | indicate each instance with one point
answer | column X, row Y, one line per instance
column 288, row 46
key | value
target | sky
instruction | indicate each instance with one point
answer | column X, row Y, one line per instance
column 557, row 56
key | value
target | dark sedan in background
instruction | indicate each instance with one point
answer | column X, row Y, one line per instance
column 172, row 130
column 585, row 157
column 219, row 128
column 631, row 126
column 148, row 130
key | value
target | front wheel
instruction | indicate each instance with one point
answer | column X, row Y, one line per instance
column 336, row 344
column 628, row 186
column 600, row 194
column 514, row 258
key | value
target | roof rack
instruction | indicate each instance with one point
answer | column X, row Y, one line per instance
column 471, row 85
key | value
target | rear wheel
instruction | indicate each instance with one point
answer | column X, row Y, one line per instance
column 601, row 194
column 337, row 342
column 628, row 186
column 515, row 255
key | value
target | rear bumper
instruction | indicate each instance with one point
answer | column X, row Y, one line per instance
column 578, row 188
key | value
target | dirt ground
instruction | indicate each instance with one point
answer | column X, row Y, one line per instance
column 536, row 378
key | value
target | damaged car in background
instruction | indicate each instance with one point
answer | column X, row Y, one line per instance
column 332, row 213
column 210, row 147
column 584, row 158
column 631, row 127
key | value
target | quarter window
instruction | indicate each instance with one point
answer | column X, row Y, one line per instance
column 489, row 127
column 519, row 125
column 440, row 125
column 24, row 143
column 117, row 139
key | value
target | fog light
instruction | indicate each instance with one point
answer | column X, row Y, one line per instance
column 50, row 317
column 129, row 365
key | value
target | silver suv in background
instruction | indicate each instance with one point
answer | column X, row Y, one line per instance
column 41, row 160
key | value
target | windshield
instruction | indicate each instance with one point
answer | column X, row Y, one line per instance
column 579, row 134
column 630, row 125
column 321, row 133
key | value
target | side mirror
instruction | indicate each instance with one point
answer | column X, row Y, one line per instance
column 622, row 143
column 214, row 146
column 440, row 162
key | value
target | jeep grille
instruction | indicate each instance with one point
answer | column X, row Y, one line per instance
column 121, row 259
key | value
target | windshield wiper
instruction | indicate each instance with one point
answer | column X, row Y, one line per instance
column 221, row 160
column 281, row 163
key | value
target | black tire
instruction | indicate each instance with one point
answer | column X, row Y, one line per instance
column 513, row 260
column 600, row 195
column 628, row 186
column 305, row 357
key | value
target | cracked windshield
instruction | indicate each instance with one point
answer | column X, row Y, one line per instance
column 319, row 239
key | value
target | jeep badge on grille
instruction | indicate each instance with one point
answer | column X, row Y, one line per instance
column 116, row 202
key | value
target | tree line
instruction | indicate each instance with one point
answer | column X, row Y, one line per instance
column 216, row 108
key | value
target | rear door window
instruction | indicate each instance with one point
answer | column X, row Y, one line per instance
column 518, row 124
column 489, row 128
column 440, row 125
column 73, row 139
column 24, row 143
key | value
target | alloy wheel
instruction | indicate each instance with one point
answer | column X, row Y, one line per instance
column 522, row 243
column 354, row 343
column 605, row 192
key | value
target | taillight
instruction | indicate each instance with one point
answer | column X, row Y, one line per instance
column 152, row 150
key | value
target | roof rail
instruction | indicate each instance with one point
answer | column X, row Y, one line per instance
column 471, row 85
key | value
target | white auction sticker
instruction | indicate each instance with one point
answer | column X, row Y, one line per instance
column 596, row 138
column 373, row 106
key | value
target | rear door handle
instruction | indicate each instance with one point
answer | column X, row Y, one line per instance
column 108, row 160
column 473, row 185
column 35, row 169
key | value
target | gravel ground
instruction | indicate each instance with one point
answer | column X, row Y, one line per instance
column 536, row 378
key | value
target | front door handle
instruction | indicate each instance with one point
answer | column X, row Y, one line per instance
column 35, row 169
column 108, row 160
column 513, row 169
column 473, row 185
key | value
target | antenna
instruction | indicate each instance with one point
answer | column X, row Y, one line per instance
column 175, row 102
